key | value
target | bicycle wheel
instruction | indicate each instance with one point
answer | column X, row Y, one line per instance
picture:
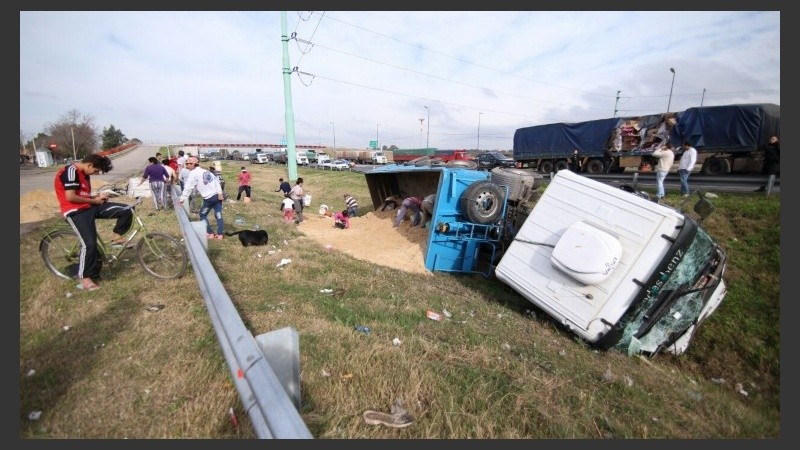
column 162, row 256
column 60, row 252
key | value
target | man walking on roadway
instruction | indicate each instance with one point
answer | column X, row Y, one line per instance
column 685, row 166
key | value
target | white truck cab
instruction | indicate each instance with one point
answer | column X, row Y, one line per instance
column 301, row 157
column 615, row 268
column 378, row 158
column 323, row 158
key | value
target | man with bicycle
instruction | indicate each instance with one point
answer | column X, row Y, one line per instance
column 80, row 208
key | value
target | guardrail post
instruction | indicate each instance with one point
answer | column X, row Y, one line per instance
column 770, row 182
column 281, row 349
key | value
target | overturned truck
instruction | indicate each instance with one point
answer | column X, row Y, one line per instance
column 616, row 269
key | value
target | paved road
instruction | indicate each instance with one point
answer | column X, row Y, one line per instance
column 129, row 165
column 126, row 166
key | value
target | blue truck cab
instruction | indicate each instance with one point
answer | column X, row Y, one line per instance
column 470, row 223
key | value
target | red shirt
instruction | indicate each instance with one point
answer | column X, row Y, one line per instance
column 71, row 178
column 244, row 178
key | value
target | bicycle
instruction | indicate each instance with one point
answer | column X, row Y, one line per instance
column 159, row 254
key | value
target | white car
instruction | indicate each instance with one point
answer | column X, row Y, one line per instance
column 338, row 164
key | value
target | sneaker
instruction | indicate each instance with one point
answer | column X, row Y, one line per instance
column 219, row 237
column 685, row 195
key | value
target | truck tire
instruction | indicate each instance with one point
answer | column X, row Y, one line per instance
column 594, row 166
column 482, row 202
column 460, row 163
column 561, row 164
column 546, row 167
column 716, row 166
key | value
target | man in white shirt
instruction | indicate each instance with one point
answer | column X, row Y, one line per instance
column 665, row 157
column 685, row 166
column 208, row 187
column 181, row 163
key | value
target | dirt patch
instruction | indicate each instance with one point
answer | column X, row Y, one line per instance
column 40, row 205
column 37, row 205
column 372, row 238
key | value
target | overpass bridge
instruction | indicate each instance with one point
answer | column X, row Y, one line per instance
column 221, row 146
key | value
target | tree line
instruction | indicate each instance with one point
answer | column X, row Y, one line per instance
column 74, row 133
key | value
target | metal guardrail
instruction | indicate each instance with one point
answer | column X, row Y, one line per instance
column 265, row 369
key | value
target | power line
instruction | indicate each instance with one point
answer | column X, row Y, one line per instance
column 467, row 61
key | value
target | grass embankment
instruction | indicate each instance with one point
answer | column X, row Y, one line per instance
column 498, row 368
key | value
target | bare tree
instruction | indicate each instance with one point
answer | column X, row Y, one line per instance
column 84, row 130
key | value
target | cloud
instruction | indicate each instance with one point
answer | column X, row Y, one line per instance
column 177, row 77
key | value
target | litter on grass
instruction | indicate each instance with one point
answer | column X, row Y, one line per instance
column 433, row 315
column 284, row 262
column 363, row 329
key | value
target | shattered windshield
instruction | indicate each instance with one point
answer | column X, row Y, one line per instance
column 660, row 319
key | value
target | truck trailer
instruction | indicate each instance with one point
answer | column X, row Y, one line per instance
column 615, row 269
column 729, row 139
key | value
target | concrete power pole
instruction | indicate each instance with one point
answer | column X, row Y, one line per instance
column 291, row 154
column 616, row 103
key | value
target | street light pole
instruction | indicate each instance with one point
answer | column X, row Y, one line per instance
column 377, row 140
column 421, row 119
column 334, row 134
column 703, row 97
column 74, row 155
column 428, row 139
column 479, row 130
column 670, row 88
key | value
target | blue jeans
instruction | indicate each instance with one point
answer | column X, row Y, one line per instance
column 210, row 203
column 660, row 176
column 684, row 174
column 352, row 211
column 401, row 213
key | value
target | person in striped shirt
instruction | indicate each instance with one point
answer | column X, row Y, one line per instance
column 351, row 205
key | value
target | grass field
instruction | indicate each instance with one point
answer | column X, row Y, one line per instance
column 102, row 365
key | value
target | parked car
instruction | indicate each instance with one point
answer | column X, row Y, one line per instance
column 339, row 164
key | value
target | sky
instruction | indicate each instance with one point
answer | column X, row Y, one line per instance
column 444, row 79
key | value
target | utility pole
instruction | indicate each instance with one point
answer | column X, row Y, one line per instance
column 428, row 139
column 377, row 141
column 703, row 97
column 291, row 154
column 334, row 135
column 616, row 103
column 74, row 155
column 478, row 147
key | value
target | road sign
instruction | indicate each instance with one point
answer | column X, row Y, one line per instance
column 373, row 144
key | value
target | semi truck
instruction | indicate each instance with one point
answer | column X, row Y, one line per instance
column 428, row 156
column 617, row 270
column 729, row 139
column 317, row 157
column 362, row 156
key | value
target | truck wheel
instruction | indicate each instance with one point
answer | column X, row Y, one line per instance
column 546, row 167
column 462, row 164
column 483, row 202
column 561, row 165
column 594, row 166
column 716, row 166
